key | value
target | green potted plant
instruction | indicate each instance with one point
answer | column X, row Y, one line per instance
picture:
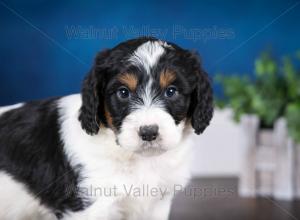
column 270, row 103
column 292, row 113
column 264, row 95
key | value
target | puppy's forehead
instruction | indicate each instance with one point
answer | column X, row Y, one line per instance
column 147, row 55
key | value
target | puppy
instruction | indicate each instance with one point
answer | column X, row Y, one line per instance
column 115, row 151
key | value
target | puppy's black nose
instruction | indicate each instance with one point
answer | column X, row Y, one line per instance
column 148, row 132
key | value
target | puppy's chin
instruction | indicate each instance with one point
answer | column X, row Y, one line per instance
column 150, row 152
column 150, row 149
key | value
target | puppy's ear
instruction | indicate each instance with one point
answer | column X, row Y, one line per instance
column 91, row 113
column 201, row 107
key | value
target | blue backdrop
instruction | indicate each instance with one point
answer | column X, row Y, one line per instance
column 46, row 47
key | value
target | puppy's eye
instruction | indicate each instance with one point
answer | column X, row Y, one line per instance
column 171, row 91
column 123, row 93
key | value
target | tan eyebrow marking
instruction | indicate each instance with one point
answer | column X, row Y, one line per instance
column 130, row 80
column 166, row 78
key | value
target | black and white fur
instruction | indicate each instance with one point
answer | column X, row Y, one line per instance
column 52, row 150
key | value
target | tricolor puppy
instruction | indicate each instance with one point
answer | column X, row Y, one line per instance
column 116, row 150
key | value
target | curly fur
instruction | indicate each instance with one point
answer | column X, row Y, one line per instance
column 53, row 150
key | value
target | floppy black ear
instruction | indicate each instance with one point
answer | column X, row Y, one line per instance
column 91, row 113
column 201, row 107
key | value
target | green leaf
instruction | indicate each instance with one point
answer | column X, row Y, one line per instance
column 293, row 120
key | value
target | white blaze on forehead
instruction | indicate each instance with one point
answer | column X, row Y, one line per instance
column 147, row 94
column 148, row 54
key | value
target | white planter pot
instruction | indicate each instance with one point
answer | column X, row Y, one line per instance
column 265, row 162
column 284, row 161
column 268, row 156
column 247, row 182
column 297, row 171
